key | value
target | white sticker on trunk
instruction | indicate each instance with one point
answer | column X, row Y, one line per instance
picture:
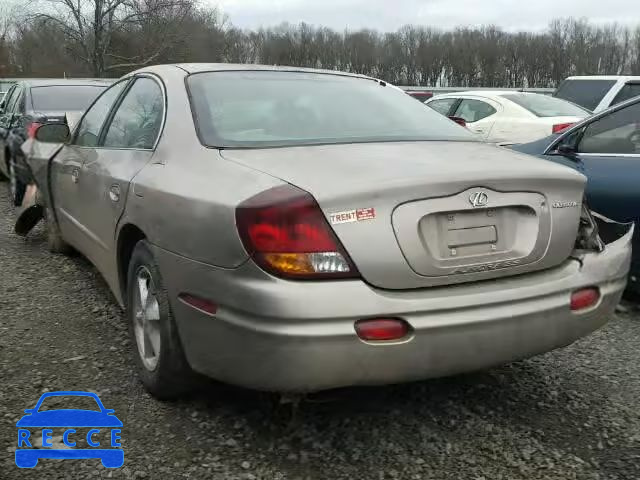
column 356, row 215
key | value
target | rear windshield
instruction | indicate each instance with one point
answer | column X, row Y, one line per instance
column 266, row 108
column 61, row 98
column 586, row 93
column 545, row 106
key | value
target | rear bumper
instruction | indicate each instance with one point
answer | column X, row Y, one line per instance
column 273, row 334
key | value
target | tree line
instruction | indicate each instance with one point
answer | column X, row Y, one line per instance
column 107, row 38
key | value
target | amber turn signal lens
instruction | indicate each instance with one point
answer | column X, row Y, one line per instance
column 289, row 263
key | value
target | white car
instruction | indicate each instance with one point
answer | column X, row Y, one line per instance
column 507, row 117
column 598, row 92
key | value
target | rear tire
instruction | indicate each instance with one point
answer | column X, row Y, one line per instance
column 159, row 357
column 55, row 242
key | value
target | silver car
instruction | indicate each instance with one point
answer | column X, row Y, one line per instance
column 296, row 230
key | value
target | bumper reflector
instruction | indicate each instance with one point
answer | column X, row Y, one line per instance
column 584, row 298
column 198, row 303
column 381, row 329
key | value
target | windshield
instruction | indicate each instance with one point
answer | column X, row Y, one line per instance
column 266, row 108
column 545, row 106
column 62, row 98
column 586, row 93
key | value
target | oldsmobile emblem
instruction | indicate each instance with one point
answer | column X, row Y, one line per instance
column 564, row 204
column 478, row 199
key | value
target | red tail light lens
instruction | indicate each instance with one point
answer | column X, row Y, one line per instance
column 32, row 129
column 584, row 298
column 286, row 233
column 561, row 127
column 382, row 329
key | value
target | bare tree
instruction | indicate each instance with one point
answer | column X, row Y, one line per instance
column 91, row 25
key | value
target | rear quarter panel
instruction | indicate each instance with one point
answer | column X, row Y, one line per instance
column 184, row 200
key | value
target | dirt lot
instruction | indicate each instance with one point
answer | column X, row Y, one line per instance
column 570, row 414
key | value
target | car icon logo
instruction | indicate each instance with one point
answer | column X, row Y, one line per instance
column 478, row 199
column 102, row 437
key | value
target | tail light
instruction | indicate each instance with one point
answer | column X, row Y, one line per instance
column 584, row 298
column 32, row 129
column 561, row 127
column 286, row 233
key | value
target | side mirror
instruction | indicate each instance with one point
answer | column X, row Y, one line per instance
column 29, row 410
column 566, row 149
column 460, row 121
column 52, row 133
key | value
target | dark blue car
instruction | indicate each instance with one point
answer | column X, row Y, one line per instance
column 38, row 424
column 606, row 148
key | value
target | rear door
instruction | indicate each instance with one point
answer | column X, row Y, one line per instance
column 479, row 114
column 126, row 144
column 6, row 121
column 65, row 170
column 609, row 150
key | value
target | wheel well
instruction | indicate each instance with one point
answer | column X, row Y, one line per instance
column 129, row 236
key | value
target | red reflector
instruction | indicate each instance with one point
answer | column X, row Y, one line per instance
column 32, row 129
column 377, row 329
column 561, row 127
column 198, row 303
column 584, row 298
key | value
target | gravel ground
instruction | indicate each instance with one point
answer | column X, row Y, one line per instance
column 570, row 414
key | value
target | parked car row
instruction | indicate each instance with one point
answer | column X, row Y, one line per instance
column 27, row 105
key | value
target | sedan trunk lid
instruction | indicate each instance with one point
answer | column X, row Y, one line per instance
column 420, row 214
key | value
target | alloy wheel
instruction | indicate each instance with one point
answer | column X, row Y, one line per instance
column 146, row 322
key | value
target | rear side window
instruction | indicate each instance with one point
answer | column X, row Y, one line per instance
column 137, row 121
column 471, row 110
column 91, row 124
column 62, row 98
column 617, row 132
column 545, row 106
column 586, row 93
column 442, row 106
column 628, row 91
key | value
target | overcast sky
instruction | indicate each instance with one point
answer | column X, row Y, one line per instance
column 388, row 15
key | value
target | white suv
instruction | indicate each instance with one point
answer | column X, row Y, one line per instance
column 597, row 93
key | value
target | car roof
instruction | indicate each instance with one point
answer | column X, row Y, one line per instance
column 76, row 82
column 491, row 94
column 230, row 67
column 604, row 77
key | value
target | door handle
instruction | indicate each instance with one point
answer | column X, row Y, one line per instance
column 114, row 193
column 75, row 175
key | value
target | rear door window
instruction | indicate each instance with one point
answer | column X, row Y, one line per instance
column 90, row 126
column 138, row 119
column 472, row 110
column 618, row 132
column 628, row 91
column 442, row 106
column 586, row 93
